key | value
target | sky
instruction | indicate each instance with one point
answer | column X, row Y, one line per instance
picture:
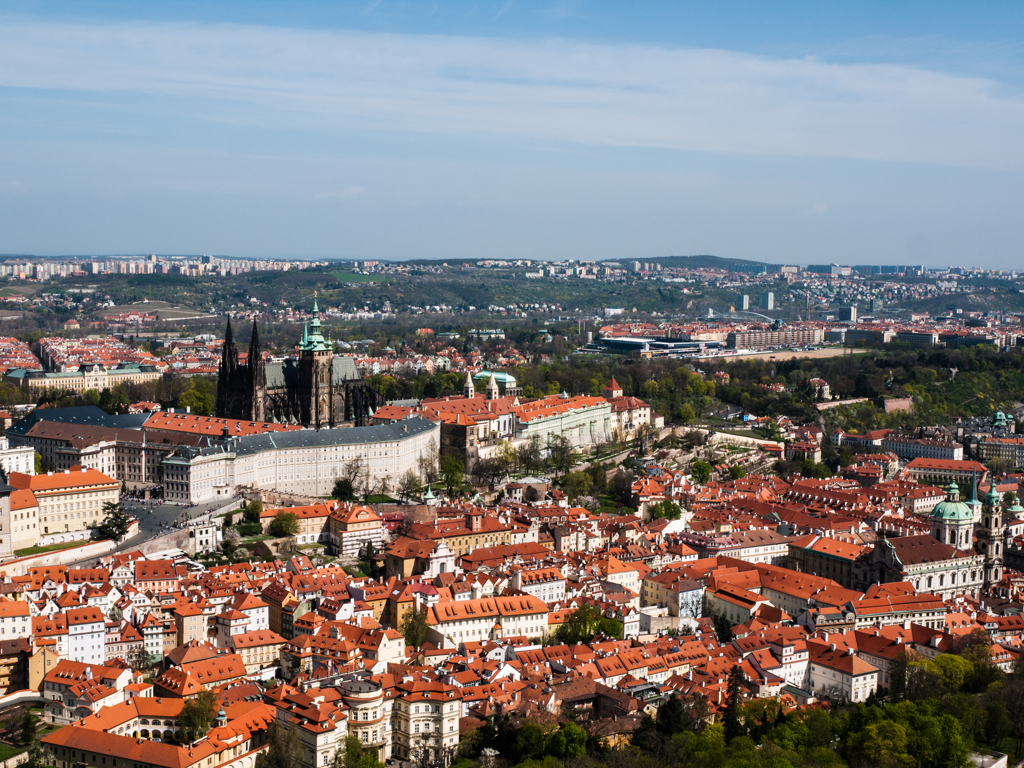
column 794, row 132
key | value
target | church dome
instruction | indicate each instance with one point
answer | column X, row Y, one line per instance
column 952, row 509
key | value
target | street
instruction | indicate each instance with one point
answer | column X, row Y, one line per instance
column 157, row 519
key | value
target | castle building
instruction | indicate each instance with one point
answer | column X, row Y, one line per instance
column 317, row 390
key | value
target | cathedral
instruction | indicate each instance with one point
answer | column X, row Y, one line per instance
column 318, row 390
column 961, row 555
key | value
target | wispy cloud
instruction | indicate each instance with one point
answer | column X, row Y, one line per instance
column 549, row 90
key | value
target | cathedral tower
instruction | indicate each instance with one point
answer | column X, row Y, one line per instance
column 316, row 375
column 257, row 378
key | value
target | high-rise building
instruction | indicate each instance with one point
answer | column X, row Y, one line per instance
column 848, row 314
column 744, row 302
column 766, row 300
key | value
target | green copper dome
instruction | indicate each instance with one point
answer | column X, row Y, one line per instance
column 952, row 509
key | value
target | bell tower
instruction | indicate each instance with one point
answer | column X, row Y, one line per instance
column 316, row 375
column 990, row 535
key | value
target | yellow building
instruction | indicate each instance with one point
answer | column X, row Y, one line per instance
column 258, row 649
column 70, row 502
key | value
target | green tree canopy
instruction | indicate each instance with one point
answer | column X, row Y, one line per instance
column 452, row 473
column 198, row 715
column 414, row 627
column 115, row 521
column 284, row 524
column 701, row 471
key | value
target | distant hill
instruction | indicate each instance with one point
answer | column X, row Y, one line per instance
column 695, row 262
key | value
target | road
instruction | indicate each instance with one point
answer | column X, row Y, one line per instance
column 156, row 519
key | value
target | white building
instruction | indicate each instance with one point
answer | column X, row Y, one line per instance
column 547, row 584
column 20, row 458
column 584, row 421
column 87, row 635
column 303, row 461
column 837, row 673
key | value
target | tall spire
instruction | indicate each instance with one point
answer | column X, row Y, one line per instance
column 227, row 375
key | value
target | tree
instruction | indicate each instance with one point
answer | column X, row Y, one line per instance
column 38, row 756
column 665, row 508
column 231, row 539
column 584, row 623
column 343, row 490
column 733, row 701
column 701, row 472
column 354, row 755
column 882, row 744
column 414, row 627
column 530, row 455
column 506, row 456
column 284, row 524
column 577, row 484
column 568, row 742
column 38, row 459
column 115, row 522
column 27, row 728
column 685, row 414
column 253, row 511
column 430, row 461
column 620, row 487
column 736, row 472
column 598, row 478
column 198, row 715
column 138, row 658
column 561, row 451
column 451, row 474
column 283, row 749
column 408, row 485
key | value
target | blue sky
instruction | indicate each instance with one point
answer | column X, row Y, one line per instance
column 793, row 132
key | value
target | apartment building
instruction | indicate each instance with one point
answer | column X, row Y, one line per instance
column 451, row 622
column 547, row 584
column 426, row 718
column 86, row 635
column 838, row 673
column 765, row 337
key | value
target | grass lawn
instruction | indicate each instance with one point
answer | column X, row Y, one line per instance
column 47, row 548
column 351, row 277
column 377, row 499
column 7, row 751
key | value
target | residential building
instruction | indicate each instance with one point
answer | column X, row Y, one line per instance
column 70, row 502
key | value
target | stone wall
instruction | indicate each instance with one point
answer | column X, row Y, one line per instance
column 67, row 556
